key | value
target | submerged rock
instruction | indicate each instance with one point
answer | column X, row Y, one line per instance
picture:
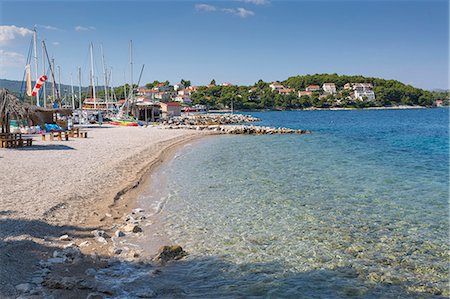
column 24, row 287
column 167, row 253
column 95, row 296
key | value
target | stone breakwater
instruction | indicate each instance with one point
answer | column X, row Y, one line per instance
column 210, row 119
column 238, row 129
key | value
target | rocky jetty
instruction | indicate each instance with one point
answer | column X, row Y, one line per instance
column 210, row 119
column 238, row 129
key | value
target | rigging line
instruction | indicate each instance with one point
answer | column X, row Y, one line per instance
column 24, row 72
column 51, row 70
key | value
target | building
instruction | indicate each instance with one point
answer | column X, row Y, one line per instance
column 313, row 88
column 275, row 86
column 361, row 91
column 184, row 99
column 98, row 104
column 439, row 103
column 183, row 92
column 177, row 87
column 226, row 84
column 163, row 96
column 285, row 91
column 329, row 88
column 192, row 88
column 170, row 109
column 304, row 93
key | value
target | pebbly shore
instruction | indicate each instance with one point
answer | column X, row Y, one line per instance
column 224, row 124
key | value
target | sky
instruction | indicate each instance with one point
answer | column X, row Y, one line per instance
column 238, row 41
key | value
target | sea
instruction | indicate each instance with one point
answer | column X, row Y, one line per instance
column 359, row 208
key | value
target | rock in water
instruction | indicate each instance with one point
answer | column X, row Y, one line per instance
column 167, row 253
column 130, row 227
column 24, row 287
column 95, row 296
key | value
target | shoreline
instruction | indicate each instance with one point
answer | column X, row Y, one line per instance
column 329, row 109
column 74, row 221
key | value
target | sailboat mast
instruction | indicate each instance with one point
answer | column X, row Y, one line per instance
column 104, row 74
column 131, row 70
column 36, row 63
column 79, row 88
column 59, row 84
column 71, row 87
column 44, row 91
column 92, row 77
column 53, row 79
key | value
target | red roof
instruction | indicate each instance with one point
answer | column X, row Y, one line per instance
column 314, row 86
column 171, row 103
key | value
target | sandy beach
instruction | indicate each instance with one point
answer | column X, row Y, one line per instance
column 72, row 187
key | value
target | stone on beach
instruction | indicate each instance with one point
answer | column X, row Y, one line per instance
column 84, row 244
column 65, row 238
column 119, row 233
column 130, row 227
column 167, row 253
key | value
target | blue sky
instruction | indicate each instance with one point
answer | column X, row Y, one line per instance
column 234, row 41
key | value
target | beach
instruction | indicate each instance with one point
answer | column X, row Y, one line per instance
column 57, row 188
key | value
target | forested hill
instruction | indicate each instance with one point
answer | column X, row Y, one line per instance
column 294, row 96
column 387, row 92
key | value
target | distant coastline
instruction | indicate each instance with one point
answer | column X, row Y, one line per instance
column 329, row 109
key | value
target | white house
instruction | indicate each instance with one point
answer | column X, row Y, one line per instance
column 329, row 88
column 361, row 90
column 313, row 88
column 177, row 87
column 183, row 99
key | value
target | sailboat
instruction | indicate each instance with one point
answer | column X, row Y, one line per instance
column 93, row 103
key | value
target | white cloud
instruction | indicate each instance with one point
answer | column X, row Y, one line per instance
column 241, row 12
column 257, row 2
column 205, row 7
column 55, row 43
column 83, row 28
column 9, row 59
column 49, row 27
column 9, row 33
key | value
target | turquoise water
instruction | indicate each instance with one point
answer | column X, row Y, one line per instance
column 358, row 209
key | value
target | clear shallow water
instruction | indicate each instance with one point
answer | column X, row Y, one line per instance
column 358, row 209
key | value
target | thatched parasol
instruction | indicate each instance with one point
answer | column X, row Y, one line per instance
column 10, row 108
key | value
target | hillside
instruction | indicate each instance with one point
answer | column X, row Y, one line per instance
column 291, row 94
column 14, row 86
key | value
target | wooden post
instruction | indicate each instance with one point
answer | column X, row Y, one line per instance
column 146, row 116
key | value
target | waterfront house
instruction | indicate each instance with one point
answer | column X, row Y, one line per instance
column 313, row 88
column 145, row 109
column 329, row 88
column 439, row 103
column 361, row 91
column 170, row 109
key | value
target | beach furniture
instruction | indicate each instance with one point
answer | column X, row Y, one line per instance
column 11, row 140
column 60, row 135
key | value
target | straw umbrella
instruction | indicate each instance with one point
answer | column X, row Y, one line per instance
column 10, row 108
